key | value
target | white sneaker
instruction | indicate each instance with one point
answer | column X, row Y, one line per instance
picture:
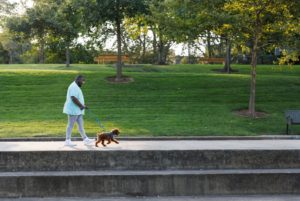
column 87, row 141
column 69, row 143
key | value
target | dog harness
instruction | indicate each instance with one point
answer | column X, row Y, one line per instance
column 111, row 134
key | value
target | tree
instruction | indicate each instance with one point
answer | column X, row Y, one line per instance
column 160, row 23
column 3, row 55
column 291, row 45
column 9, row 44
column 257, row 21
column 98, row 12
column 136, row 34
column 34, row 24
column 48, row 19
column 194, row 19
column 6, row 8
column 67, row 24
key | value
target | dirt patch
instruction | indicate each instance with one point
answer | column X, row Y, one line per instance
column 245, row 113
column 122, row 80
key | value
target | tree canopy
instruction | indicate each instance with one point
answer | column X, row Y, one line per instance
column 147, row 29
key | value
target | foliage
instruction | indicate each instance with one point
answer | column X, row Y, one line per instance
column 99, row 12
column 67, row 24
column 147, row 29
column 13, row 46
column 6, row 8
column 259, row 23
column 158, row 22
column 31, row 56
column 34, row 24
column 137, row 42
column 4, row 55
column 290, row 43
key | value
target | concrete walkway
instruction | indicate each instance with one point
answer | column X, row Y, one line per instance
column 208, row 198
column 292, row 144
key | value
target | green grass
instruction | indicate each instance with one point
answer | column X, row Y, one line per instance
column 162, row 101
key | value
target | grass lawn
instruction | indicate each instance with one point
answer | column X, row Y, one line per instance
column 162, row 101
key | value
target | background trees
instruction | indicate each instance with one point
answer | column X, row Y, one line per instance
column 149, row 29
column 113, row 13
column 35, row 25
column 260, row 23
column 6, row 8
column 67, row 24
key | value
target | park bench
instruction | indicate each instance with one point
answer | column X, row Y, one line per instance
column 204, row 60
column 292, row 117
column 110, row 58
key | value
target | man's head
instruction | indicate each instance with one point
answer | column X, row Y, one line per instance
column 80, row 80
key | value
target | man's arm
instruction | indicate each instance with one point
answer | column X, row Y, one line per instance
column 77, row 102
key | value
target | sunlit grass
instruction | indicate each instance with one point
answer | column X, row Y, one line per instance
column 162, row 101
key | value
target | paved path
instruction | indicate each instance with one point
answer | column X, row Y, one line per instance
column 208, row 198
column 293, row 144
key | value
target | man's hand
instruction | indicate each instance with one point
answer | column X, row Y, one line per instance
column 84, row 107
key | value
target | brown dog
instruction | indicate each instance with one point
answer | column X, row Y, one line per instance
column 101, row 137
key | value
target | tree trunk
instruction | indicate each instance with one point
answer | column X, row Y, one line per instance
column 10, row 52
column 227, row 67
column 257, row 35
column 144, row 47
column 119, row 41
column 166, row 52
column 162, row 51
column 189, row 53
column 209, row 52
column 68, row 55
column 42, row 51
column 251, row 108
column 154, row 44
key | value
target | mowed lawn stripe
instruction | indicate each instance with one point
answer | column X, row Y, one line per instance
column 162, row 101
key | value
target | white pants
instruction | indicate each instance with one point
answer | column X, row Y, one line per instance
column 71, row 121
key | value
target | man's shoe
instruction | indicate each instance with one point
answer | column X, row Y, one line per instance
column 69, row 143
column 87, row 141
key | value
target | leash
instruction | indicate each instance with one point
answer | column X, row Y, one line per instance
column 96, row 119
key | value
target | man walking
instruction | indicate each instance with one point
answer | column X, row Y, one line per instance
column 74, row 107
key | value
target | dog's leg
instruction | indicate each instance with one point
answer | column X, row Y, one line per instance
column 96, row 144
column 109, row 141
column 97, row 140
column 115, row 141
column 103, row 143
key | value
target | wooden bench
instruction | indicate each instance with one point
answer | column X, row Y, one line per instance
column 292, row 117
column 110, row 58
column 204, row 60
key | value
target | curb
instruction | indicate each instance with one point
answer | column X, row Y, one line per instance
column 166, row 138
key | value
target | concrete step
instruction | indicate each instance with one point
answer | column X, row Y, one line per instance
column 149, row 183
column 178, row 198
column 68, row 160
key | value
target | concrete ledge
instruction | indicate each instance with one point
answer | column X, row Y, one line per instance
column 148, row 160
column 261, row 137
column 173, row 198
column 150, row 168
column 151, row 183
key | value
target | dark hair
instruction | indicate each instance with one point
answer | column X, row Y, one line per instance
column 78, row 77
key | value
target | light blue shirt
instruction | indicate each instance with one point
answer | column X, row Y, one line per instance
column 70, row 107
